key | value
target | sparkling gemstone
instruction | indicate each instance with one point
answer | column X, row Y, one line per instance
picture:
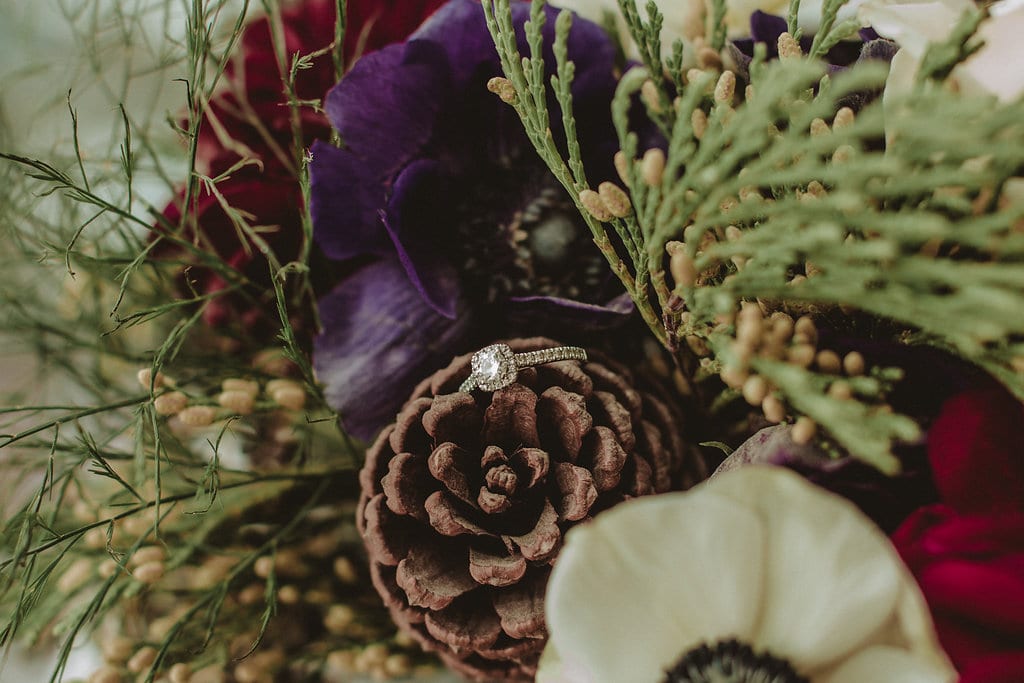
column 489, row 364
column 494, row 367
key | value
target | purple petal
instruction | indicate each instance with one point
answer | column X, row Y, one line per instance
column 344, row 201
column 403, row 85
column 766, row 28
column 379, row 339
column 554, row 315
column 460, row 29
column 407, row 220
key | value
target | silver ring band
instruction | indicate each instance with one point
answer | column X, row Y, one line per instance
column 496, row 366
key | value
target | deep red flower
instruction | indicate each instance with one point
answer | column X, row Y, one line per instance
column 968, row 554
column 975, row 451
column 971, row 571
column 250, row 118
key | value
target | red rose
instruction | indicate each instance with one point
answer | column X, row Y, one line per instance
column 250, row 118
column 971, row 571
column 974, row 449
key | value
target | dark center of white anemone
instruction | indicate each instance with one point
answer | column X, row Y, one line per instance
column 730, row 661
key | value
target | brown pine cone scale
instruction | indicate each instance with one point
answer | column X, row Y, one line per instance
column 466, row 498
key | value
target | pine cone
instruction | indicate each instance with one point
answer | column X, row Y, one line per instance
column 466, row 498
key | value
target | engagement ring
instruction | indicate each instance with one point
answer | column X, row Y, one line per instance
column 496, row 366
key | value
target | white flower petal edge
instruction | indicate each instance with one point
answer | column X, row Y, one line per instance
column 916, row 24
column 640, row 585
column 887, row 664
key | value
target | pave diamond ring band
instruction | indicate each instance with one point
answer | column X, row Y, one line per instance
column 496, row 366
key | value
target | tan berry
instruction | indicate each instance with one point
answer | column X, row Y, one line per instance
column 209, row 674
column 773, row 409
column 289, row 595
column 801, row 355
column 398, row 665
column 819, row 127
column 76, row 575
column 616, row 201
column 107, row 569
column 725, row 88
column 622, row 167
column 840, row 390
column 844, row 117
column 145, row 554
column 238, row 402
column 803, row 430
column 651, row 96
column 652, row 166
column 147, row 380
column 345, row 570
column 292, row 398
column 788, row 46
column 251, row 594
column 853, row 364
column 263, row 566
column 180, row 673
column 699, row 123
column 734, row 377
column 142, row 660
column 828, row 361
column 249, row 386
column 342, row 661
column 339, row 618
column 198, row 416
column 150, row 572
column 842, row 154
column 683, row 269
column 503, row 88
column 105, row 674
column 116, row 649
column 595, row 206
column 171, row 403
column 755, row 389
column 805, row 330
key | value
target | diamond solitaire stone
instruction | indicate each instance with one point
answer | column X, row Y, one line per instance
column 494, row 367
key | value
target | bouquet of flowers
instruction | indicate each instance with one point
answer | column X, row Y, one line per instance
column 576, row 341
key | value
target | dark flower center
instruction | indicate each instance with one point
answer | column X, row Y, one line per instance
column 730, row 661
column 519, row 234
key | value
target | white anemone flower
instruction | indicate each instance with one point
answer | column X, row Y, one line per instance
column 917, row 24
column 756, row 570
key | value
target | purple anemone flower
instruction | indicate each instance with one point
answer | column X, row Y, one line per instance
column 766, row 28
column 464, row 233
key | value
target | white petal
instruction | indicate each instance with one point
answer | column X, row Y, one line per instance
column 913, row 23
column 887, row 664
column 554, row 669
column 996, row 67
column 647, row 581
column 832, row 580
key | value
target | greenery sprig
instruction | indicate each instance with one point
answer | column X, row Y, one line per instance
column 776, row 193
